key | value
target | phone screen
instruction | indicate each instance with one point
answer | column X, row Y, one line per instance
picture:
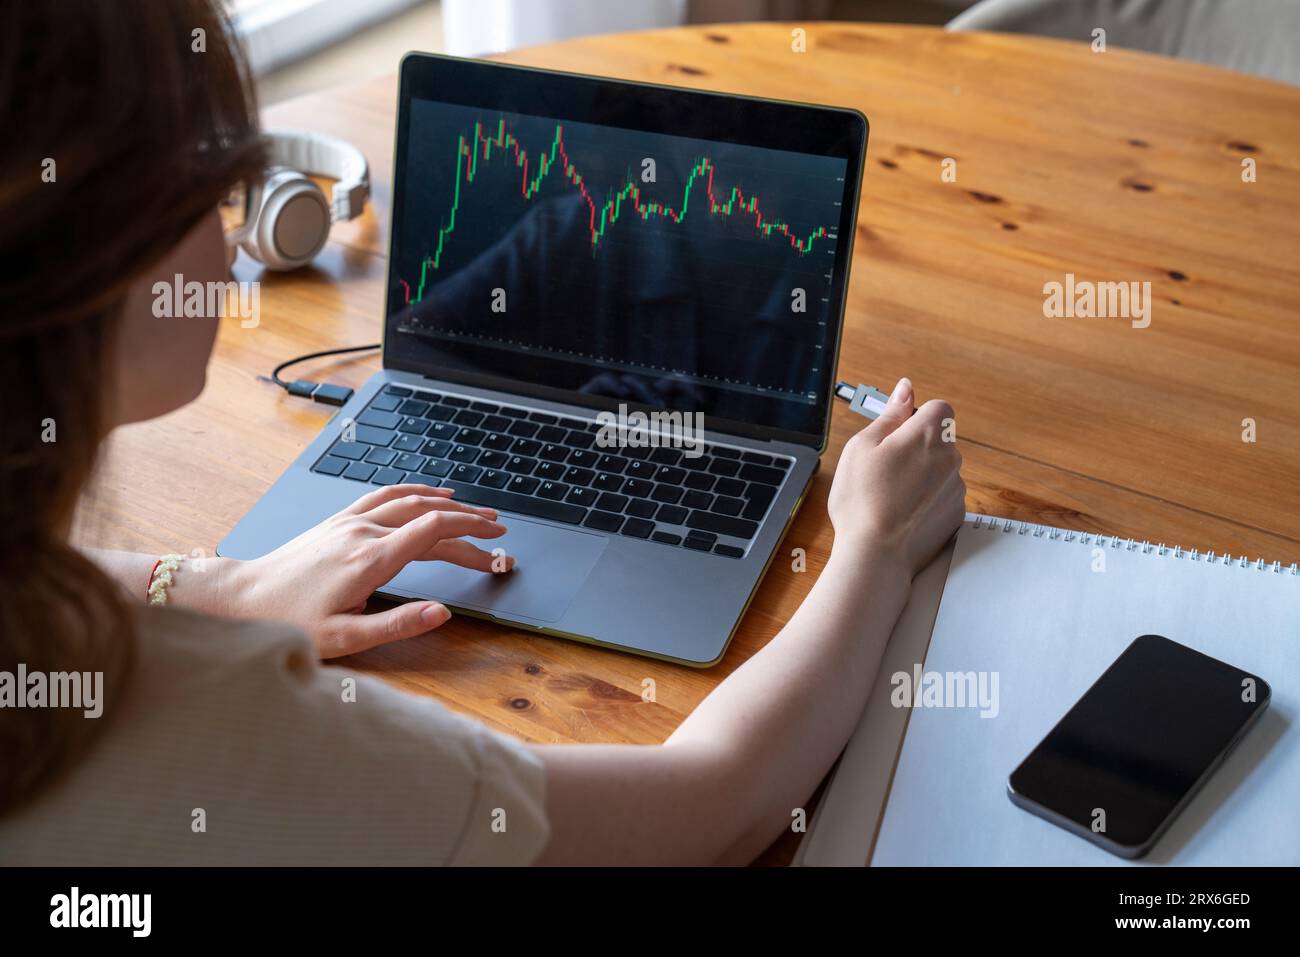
column 1139, row 743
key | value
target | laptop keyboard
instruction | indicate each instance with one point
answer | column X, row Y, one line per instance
column 549, row 466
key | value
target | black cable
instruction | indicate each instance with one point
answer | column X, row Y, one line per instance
column 319, row 391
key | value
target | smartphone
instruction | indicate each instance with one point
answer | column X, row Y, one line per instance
column 1129, row 756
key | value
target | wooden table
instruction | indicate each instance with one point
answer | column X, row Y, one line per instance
column 1114, row 166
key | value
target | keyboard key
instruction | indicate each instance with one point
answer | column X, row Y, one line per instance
column 696, row 463
column 700, row 481
column 355, row 451
column 694, row 499
column 330, row 465
column 513, row 412
column 579, row 440
column 670, row 476
column 664, row 456
column 443, row 430
column 722, row 524
column 726, row 467
column 723, row 452
column 414, row 407
column 572, row 424
column 551, row 471
column 388, row 477
column 380, row 420
column 727, row 486
column 495, row 423
column 552, row 433
column 552, row 453
column 386, row 403
column 700, row 541
column 611, row 463
column 543, row 417
column 523, row 484
column 553, row 490
column 468, row 436
column 466, row 417
column 605, row 482
column 414, row 425
column 529, row 447
column 724, row 505
column 642, row 508
column 525, row 430
column 484, row 407
column 638, row 488
column 396, row 390
column 603, row 521
column 576, row 476
column 584, row 459
column 731, row 551
column 493, row 460
column 582, row 496
column 436, row 447
column 756, row 458
column 373, row 436
column 641, row 470
column 757, row 499
column 359, row 471
column 381, row 456
column 666, row 493
column 463, row 453
column 454, row 401
column 440, row 413
column 520, row 465
column 668, row 538
column 611, row 502
column 671, row 514
column 497, row 441
column 466, row 473
column 407, row 443
column 523, row 504
column 638, row 527
column 762, row 474
column 494, row 478
column 437, row 467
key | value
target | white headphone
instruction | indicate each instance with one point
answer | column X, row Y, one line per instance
column 291, row 218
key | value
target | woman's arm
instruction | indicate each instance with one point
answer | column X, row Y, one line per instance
column 322, row 579
column 727, row 781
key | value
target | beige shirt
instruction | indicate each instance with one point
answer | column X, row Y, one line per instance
column 234, row 745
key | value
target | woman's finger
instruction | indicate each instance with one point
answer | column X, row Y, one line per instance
column 397, row 512
column 407, row 544
column 350, row 633
column 389, row 492
column 457, row 551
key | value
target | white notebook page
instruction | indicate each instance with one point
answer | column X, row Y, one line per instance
column 1030, row 605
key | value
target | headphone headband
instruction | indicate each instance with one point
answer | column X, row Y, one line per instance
column 321, row 155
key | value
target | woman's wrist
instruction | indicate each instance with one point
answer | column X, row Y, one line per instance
column 210, row 585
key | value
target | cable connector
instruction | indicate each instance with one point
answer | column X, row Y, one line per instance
column 324, row 392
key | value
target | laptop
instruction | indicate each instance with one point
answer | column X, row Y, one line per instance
column 613, row 313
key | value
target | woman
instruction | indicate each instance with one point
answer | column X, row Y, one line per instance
column 223, row 739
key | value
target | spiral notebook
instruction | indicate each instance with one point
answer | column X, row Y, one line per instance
column 1046, row 610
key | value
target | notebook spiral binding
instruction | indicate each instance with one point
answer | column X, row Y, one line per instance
column 1008, row 526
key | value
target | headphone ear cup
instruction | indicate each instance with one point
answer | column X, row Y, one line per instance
column 293, row 222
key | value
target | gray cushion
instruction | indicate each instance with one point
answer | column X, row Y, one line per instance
column 1252, row 36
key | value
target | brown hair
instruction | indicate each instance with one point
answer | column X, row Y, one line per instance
column 125, row 123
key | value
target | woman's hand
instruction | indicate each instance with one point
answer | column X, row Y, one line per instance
column 898, row 485
column 321, row 580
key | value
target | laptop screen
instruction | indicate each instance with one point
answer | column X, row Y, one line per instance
column 568, row 252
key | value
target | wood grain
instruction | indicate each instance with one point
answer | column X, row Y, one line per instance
column 1115, row 167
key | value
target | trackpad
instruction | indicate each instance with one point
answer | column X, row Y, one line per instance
column 551, row 566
